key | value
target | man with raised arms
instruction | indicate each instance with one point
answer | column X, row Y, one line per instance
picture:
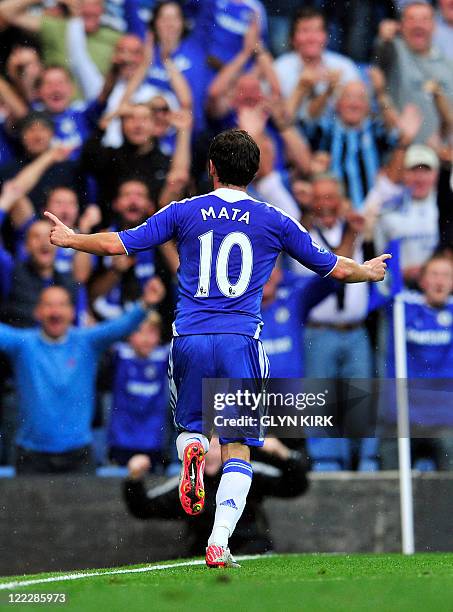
column 228, row 244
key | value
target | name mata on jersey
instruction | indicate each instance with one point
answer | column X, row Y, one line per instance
column 228, row 244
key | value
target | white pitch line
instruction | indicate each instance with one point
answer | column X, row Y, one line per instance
column 136, row 570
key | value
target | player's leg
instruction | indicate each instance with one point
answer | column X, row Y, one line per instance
column 238, row 357
column 231, row 498
column 189, row 362
column 192, row 448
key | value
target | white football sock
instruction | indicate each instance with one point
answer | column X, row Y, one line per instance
column 186, row 437
column 230, row 499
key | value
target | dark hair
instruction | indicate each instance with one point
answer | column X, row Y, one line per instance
column 25, row 43
column 59, row 187
column 305, row 13
column 131, row 178
column 409, row 3
column 437, row 256
column 35, row 117
column 236, row 157
column 57, row 286
column 158, row 10
column 49, row 68
column 132, row 107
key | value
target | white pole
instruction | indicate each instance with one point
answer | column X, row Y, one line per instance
column 404, row 448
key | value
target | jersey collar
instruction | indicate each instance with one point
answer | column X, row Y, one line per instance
column 230, row 195
column 61, row 340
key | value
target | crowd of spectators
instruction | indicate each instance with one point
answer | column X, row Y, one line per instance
column 106, row 110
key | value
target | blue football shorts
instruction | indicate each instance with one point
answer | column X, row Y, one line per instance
column 226, row 356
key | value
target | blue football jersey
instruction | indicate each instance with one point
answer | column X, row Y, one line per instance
column 113, row 303
column 227, row 243
column 6, row 272
column 429, row 337
column 284, row 319
column 189, row 58
column 227, row 22
column 429, row 343
column 139, row 413
column 74, row 125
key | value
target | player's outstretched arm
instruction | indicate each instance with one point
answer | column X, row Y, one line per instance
column 104, row 243
column 349, row 271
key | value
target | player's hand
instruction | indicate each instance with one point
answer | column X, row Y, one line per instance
column 122, row 263
column 433, row 87
column 154, row 291
column 308, row 79
column 445, row 154
column 60, row 153
column 60, row 234
column 377, row 78
column 267, row 158
column 333, row 79
column 251, row 42
column 182, row 120
column 377, row 267
column 122, row 111
column 11, row 192
column 275, row 447
column 138, row 466
column 166, row 48
column 388, row 29
column 320, row 162
column 279, row 114
column 409, row 123
column 91, row 217
column 178, row 179
column 355, row 221
column 252, row 120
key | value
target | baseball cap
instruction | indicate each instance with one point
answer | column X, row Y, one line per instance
column 421, row 155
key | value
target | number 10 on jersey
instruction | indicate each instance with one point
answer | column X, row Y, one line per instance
column 222, row 262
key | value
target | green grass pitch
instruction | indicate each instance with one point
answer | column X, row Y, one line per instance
column 281, row 583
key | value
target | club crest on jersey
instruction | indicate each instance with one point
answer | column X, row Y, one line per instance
column 444, row 318
column 235, row 214
column 150, row 372
column 282, row 315
column 319, row 247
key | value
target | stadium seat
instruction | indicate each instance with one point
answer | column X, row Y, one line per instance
column 100, row 445
column 7, row 471
column 326, row 454
column 112, row 471
column 368, row 465
column 425, row 465
column 173, row 469
column 368, row 462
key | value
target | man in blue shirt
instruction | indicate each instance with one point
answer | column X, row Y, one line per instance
column 287, row 300
column 139, row 415
column 109, row 290
column 228, row 244
column 73, row 121
column 32, row 274
column 227, row 22
column 55, row 373
column 429, row 346
column 186, row 51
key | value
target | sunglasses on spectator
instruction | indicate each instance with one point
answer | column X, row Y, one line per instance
column 160, row 109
